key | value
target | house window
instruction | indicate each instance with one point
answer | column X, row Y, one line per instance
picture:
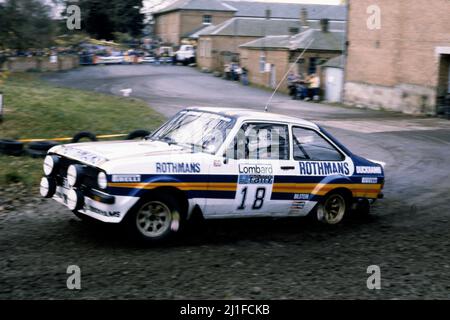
column 207, row 19
column 262, row 62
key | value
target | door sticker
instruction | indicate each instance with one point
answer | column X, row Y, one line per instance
column 255, row 185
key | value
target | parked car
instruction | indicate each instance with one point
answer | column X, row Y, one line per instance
column 114, row 58
column 185, row 55
column 147, row 59
column 219, row 163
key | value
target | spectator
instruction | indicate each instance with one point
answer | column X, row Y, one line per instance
column 227, row 71
column 314, row 87
column 292, row 84
column 245, row 76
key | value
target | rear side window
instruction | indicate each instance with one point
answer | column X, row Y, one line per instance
column 309, row 145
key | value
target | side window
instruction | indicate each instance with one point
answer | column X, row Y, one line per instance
column 309, row 145
column 262, row 141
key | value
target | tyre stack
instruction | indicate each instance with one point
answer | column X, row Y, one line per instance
column 39, row 149
column 11, row 147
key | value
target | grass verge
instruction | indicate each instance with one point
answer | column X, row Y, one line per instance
column 34, row 109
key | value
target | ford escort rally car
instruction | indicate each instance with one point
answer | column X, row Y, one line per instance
column 221, row 163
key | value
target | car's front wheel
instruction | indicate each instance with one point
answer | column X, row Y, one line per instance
column 332, row 209
column 155, row 219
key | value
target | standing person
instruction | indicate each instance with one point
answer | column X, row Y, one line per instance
column 302, row 87
column 315, row 87
column 227, row 71
column 292, row 85
column 245, row 76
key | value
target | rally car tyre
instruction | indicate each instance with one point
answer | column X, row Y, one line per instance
column 11, row 147
column 137, row 134
column 154, row 219
column 84, row 134
column 332, row 209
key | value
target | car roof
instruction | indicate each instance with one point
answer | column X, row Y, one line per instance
column 242, row 113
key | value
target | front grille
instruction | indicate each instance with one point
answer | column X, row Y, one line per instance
column 89, row 179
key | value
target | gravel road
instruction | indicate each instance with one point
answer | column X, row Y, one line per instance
column 407, row 235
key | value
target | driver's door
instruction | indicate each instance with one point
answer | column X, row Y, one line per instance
column 257, row 155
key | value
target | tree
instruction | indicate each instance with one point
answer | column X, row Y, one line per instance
column 101, row 19
column 25, row 24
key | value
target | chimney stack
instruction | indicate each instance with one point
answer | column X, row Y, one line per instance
column 304, row 18
column 324, row 23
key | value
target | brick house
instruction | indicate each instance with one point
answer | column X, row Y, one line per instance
column 185, row 16
column 268, row 59
column 219, row 45
column 403, row 65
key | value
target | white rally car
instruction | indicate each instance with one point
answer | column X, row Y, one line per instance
column 221, row 163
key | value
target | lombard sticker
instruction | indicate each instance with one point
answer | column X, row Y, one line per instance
column 257, row 169
column 368, row 170
column 315, row 168
column 126, row 178
column 255, row 174
column 178, row 167
column 369, row 180
column 301, row 196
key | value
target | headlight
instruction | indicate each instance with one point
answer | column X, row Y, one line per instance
column 74, row 173
column 102, row 180
column 75, row 199
column 50, row 165
column 47, row 187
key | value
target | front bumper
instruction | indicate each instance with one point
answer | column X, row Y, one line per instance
column 99, row 205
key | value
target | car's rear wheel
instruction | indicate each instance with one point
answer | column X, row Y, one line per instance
column 155, row 219
column 332, row 209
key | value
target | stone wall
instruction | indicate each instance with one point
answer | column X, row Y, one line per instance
column 250, row 59
column 167, row 27
column 209, row 50
column 407, row 98
column 172, row 26
column 399, row 58
column 43, row 64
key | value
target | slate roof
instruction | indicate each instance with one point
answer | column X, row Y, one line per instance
column 327, row 41
column 260, row 27
column 337, row 62
column 195, row 34
column 258, row 9
column 288, row 10
column 210, row 5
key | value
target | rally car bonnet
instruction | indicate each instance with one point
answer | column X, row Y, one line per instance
column 98, row 153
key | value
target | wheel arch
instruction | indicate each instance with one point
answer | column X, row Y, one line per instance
column 179, row 195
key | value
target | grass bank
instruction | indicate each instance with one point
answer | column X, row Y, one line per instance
column 38, row 110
